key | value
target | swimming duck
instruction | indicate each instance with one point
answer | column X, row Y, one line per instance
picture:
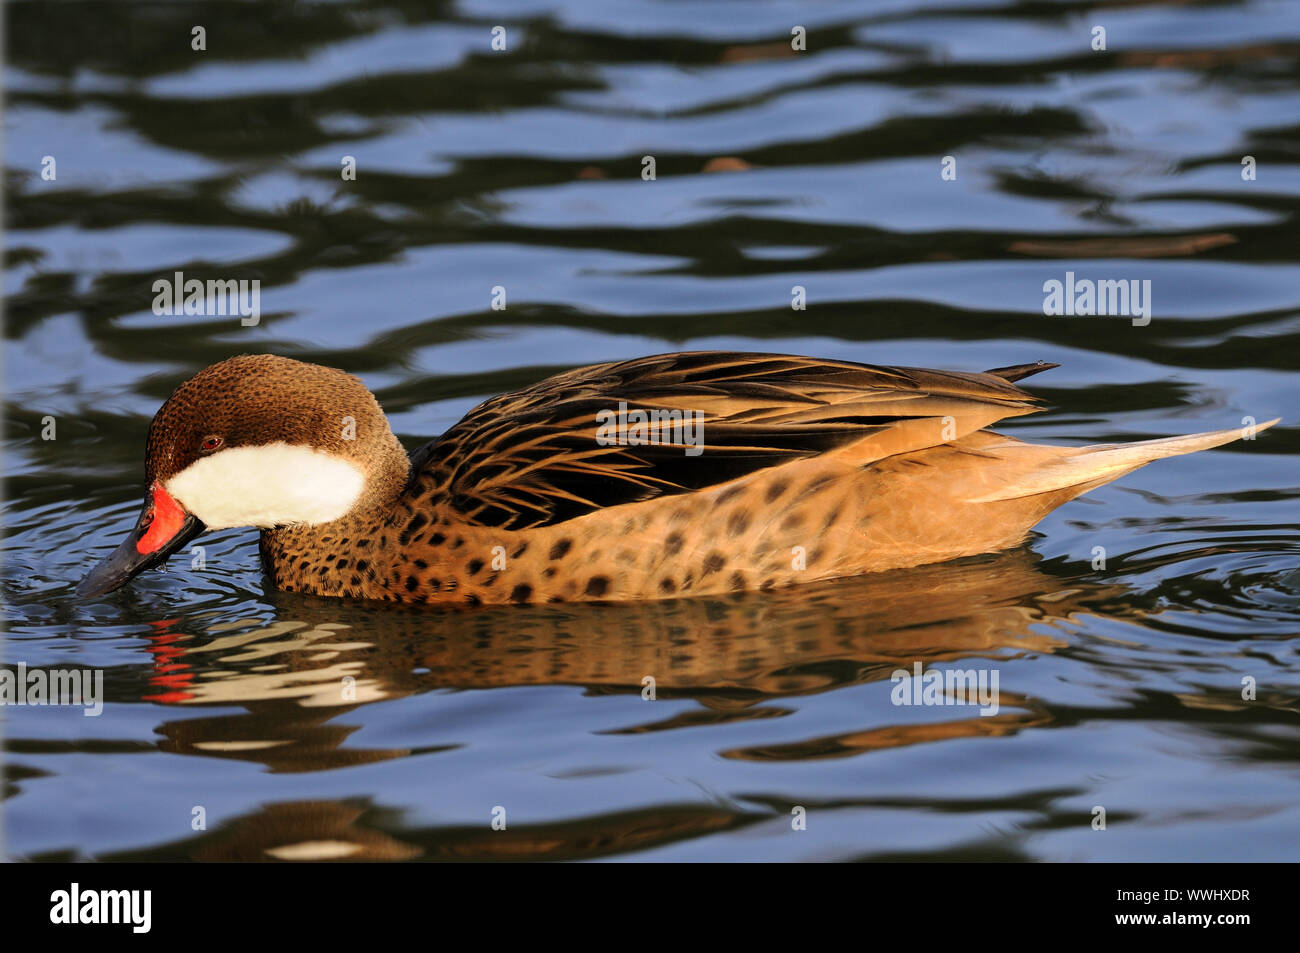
column 679, row 474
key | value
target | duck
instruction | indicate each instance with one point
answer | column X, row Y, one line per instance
column 686, row 474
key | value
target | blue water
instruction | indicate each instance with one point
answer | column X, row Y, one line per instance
column 1121, row 686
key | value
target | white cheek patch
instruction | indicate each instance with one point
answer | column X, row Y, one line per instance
column 275, row 484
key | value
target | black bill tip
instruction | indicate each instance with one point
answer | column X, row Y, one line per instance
column 128, row 560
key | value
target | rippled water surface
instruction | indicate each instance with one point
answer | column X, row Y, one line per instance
column 1121, row 686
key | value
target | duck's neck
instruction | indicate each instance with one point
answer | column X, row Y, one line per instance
column 342, row 557
column 386, row 481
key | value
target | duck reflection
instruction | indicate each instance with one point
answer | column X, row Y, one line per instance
column 353, row 830
column 298, row 676
column 321, row 659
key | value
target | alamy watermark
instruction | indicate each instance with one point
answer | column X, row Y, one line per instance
column 952, row 686
column 131, row 907
column 181, row 295
column 1126, row 297
column 643, row 428
column 54, row 686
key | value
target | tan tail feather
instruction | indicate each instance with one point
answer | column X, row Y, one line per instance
column 1090, row 467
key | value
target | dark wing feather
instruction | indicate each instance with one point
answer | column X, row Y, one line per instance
column 531, row 458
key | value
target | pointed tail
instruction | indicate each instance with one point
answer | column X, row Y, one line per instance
column 1085, row 468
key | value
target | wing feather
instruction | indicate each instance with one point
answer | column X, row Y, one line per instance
column 531, row 458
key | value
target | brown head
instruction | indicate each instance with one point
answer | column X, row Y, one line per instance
column 257, row 440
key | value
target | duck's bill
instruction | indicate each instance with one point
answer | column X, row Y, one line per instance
column 163, row 527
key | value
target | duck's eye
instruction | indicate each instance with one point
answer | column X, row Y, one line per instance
column 210, row 443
